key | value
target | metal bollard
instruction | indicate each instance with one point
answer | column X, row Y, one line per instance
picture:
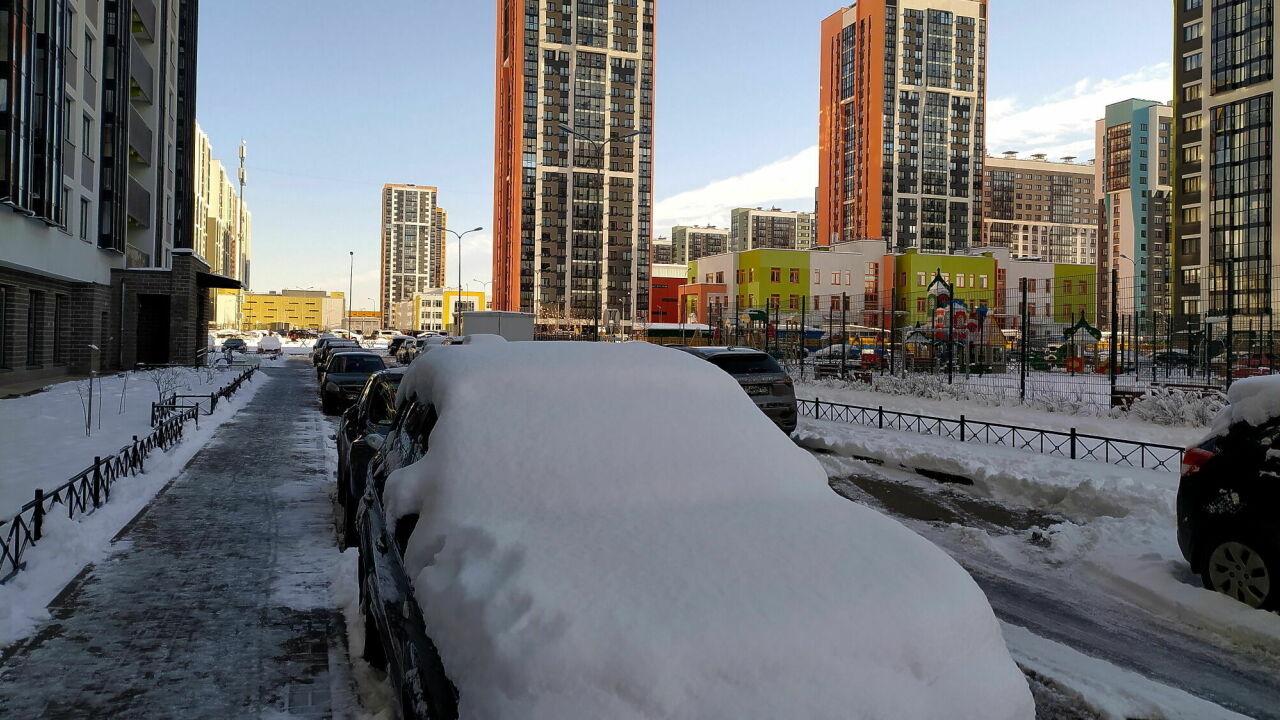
column 97, row 481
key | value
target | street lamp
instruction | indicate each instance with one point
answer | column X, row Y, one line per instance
column 457, row 301
column 599, row 148
column 351, row 274
column 483, row 284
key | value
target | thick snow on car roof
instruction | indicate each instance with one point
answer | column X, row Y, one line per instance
column 1254, row 400
column 615, row 531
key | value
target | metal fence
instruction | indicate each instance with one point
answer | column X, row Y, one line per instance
column 1069, row 444
column 1030, row 331
column 88, row 489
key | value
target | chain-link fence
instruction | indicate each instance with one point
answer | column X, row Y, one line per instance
column 1094, row 338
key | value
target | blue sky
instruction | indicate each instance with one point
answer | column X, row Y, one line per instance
column 334, row 103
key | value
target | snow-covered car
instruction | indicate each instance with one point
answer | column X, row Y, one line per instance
column 612, row 530
column 1229, row 497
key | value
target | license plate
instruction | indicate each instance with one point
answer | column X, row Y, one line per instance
column 757, row 389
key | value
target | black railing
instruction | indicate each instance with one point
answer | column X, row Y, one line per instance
column 1067, row 444
column 88, row 489
column 161, row 410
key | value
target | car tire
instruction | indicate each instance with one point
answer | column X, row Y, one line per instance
column 327, row 405
column 1245, row 569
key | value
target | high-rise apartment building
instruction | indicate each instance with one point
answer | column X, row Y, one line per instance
column 662, row 251
column 773, row 229
column 413, row 243
column 572, row 210
column 1224, row 248
column 96, row 141
column 223, row 222
column 691, row 243
column 901, row 123
column 1132, row 174
column 1040, row 208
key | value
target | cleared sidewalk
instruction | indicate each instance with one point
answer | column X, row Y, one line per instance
column 216, row 602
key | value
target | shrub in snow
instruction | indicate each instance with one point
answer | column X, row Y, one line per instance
column 584, row 552
column 1172, row 406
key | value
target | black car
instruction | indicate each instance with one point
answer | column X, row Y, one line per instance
column 320, row 356
column 761, row 377
column 1228, row 524
column 235, row 344
column 360, row 433
column 344, row 375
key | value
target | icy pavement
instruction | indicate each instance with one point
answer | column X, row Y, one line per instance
column 216, row 602
column 1097, row 637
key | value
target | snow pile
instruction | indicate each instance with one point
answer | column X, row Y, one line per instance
column 1254, row 400
column 584, row 552
column 270, row 342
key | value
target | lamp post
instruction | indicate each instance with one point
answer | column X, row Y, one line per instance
column 598, row 145
column 483, row 284
column 457, row 301
column 351, row 274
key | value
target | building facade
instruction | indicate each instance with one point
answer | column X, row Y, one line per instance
column 95, row 151
column 902, row 123
column 1224, row 193
column 413, row 243
column 691, row 243
column 433, row 310
column 572, row 210
column 289, row 309
column 223, row 225
column 662, row 251
column 665, row 281
column 773, row 229
column 1039, row 208
column 1132, row 181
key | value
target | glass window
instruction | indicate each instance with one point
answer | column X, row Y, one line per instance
column 1193, row 31
column 1194, row 61
column 4, row 328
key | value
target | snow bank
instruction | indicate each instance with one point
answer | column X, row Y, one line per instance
column 1254, row 400
column 584, row 551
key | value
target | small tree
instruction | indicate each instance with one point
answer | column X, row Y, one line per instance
column 166, row 379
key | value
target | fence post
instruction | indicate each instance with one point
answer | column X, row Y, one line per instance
column 1073, row 443
column 1115, row 334
column 1023, row 317
column 962, row 438
column 817, row 407
column 97, row 481
column 880, row 416
column 138, row 455
column 37, row 518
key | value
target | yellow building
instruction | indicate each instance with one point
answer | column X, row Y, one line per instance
column 433, row 310
column 285, row 310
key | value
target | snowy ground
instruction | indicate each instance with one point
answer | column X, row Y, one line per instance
column 70, row 545
column 1084, row 555
column 1125, row 428
column 42, row 436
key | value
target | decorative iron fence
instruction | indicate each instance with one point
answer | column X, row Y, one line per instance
column 1069, row 444
column 88, row 489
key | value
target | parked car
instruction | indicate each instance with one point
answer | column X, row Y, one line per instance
column 234, row 344
column 360, row 434
column 345, row 373
column 1228, row 524
column 588, row 563
column 768, row 385
column 321, row 356
column 397, row 342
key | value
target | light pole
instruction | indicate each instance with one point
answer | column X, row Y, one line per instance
column 483, row 284
column 598, row 145
column 351, row 274
column 457, row 301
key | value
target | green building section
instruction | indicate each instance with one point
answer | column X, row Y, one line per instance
column 972, row 277
column 1075, row 289
column 778, row 275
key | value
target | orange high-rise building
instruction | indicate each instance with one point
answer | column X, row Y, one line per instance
column 573, row 210
column 901, row 123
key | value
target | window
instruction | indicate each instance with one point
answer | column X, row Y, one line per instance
column 1191, row 184
column 795, row 275
column 1192, row 154
column 1192, row 92
column 751, row 276
column 1066, row 287
column 775, row 275
column 86, row 134
column 817, row 277
column 982, row 281
column 835, row 278
column 1031, row 284
column 708, row 277
column 775, row 302
column 793, row 302
column 1084, row 287
column 920, row 307
column 1193, row 31
column 1192, row 123
column 921, row 279
column 1192, row 4
column 960, row 280
column 1194, row 61
column 719, row 277
column 1191, row 214
column 88, row 53
column 817, row 303
column 35, row 303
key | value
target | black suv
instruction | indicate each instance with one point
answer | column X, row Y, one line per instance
column 343, row 376
column 360, row 434
column 1228, row 524
column 768, row 385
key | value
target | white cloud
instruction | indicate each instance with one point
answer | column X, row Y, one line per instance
column 1062, row 124
column 788, row 183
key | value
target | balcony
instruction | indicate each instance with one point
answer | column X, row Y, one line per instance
column 138, row 205
column 140, row 139
column 143, row 19
column 141, row 75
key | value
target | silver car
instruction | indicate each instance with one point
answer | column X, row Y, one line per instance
column 768, row 385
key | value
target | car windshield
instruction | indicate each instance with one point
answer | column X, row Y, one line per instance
column 746, row 364
column 357, row 364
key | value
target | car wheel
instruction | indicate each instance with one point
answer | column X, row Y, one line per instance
column 1244, row 570
column 327, row 405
